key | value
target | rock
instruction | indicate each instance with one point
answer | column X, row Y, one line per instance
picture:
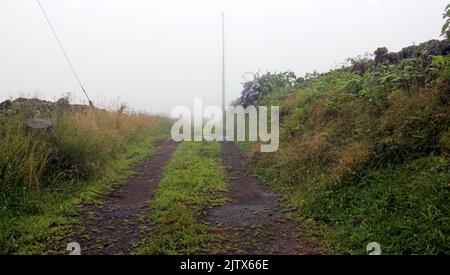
column 38, row 107
column 62, row 102
column 5, row 105
column 33, row 105
column 383, row 56
column 38, row 123
column 425, row 50
column 407, row 52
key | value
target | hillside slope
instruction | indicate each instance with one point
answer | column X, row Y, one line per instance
column 364, row 149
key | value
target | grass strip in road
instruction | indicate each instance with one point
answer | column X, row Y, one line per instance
column 193, row 181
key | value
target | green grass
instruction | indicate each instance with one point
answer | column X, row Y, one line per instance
column 405, row 208
column 30, row 219
column 192, row 181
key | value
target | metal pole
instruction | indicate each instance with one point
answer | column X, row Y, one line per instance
column 223, row 64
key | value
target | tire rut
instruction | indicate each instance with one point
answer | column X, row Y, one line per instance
column 253, row 222
column 114, row 226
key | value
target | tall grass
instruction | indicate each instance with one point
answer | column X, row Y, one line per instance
column 86, row 140
column 78, row 145
column 42, row 173
column 23, row 158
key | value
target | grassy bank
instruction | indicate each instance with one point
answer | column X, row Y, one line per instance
column 365, row 155
column 192, row 181
column 44, row 175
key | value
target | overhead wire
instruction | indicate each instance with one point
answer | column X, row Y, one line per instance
column 64, row 52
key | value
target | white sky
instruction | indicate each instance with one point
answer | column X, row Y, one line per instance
column 155, row 55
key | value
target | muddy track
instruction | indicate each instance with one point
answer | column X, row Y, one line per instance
column 114, row 226
column 253, row 222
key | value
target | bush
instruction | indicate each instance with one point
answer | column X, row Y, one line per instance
column 353, row 143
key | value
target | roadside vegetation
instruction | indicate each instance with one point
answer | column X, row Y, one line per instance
column 44, row 174
column 193, row 180
column 364, row 149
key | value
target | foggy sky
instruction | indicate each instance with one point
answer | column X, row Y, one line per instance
column 155, row 55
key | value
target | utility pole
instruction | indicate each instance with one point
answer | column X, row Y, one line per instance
column 223, row 66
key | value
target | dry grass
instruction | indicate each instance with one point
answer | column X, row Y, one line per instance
column 78, row 145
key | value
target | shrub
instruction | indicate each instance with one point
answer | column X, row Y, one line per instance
column 353, row 144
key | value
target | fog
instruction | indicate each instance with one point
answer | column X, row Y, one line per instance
column 155, row 55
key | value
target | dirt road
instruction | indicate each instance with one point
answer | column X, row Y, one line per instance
column 251, row 222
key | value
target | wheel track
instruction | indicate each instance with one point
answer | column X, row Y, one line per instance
column 253, row 222
column 113, row 226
